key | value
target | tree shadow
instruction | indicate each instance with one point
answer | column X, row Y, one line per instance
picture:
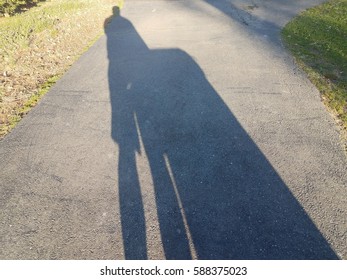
column 17, row 7
column 258, row 18
column 213, row 186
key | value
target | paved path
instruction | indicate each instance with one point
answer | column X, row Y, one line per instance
column 185, row 132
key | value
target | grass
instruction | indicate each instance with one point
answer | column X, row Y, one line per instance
column 318, row 40
column 30, row 103
column 39, row 45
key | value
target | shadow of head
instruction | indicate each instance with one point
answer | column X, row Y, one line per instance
column 115, row 13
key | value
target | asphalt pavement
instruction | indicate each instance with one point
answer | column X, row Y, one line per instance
column 185, row 132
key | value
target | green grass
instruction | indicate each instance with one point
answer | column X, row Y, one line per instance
column 318, row 40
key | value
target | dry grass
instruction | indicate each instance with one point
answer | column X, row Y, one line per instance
column 38, row 46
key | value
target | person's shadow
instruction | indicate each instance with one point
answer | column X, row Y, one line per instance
column 202, row 163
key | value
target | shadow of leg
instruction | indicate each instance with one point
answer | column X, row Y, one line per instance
column 174, row 237
column 131, row 208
